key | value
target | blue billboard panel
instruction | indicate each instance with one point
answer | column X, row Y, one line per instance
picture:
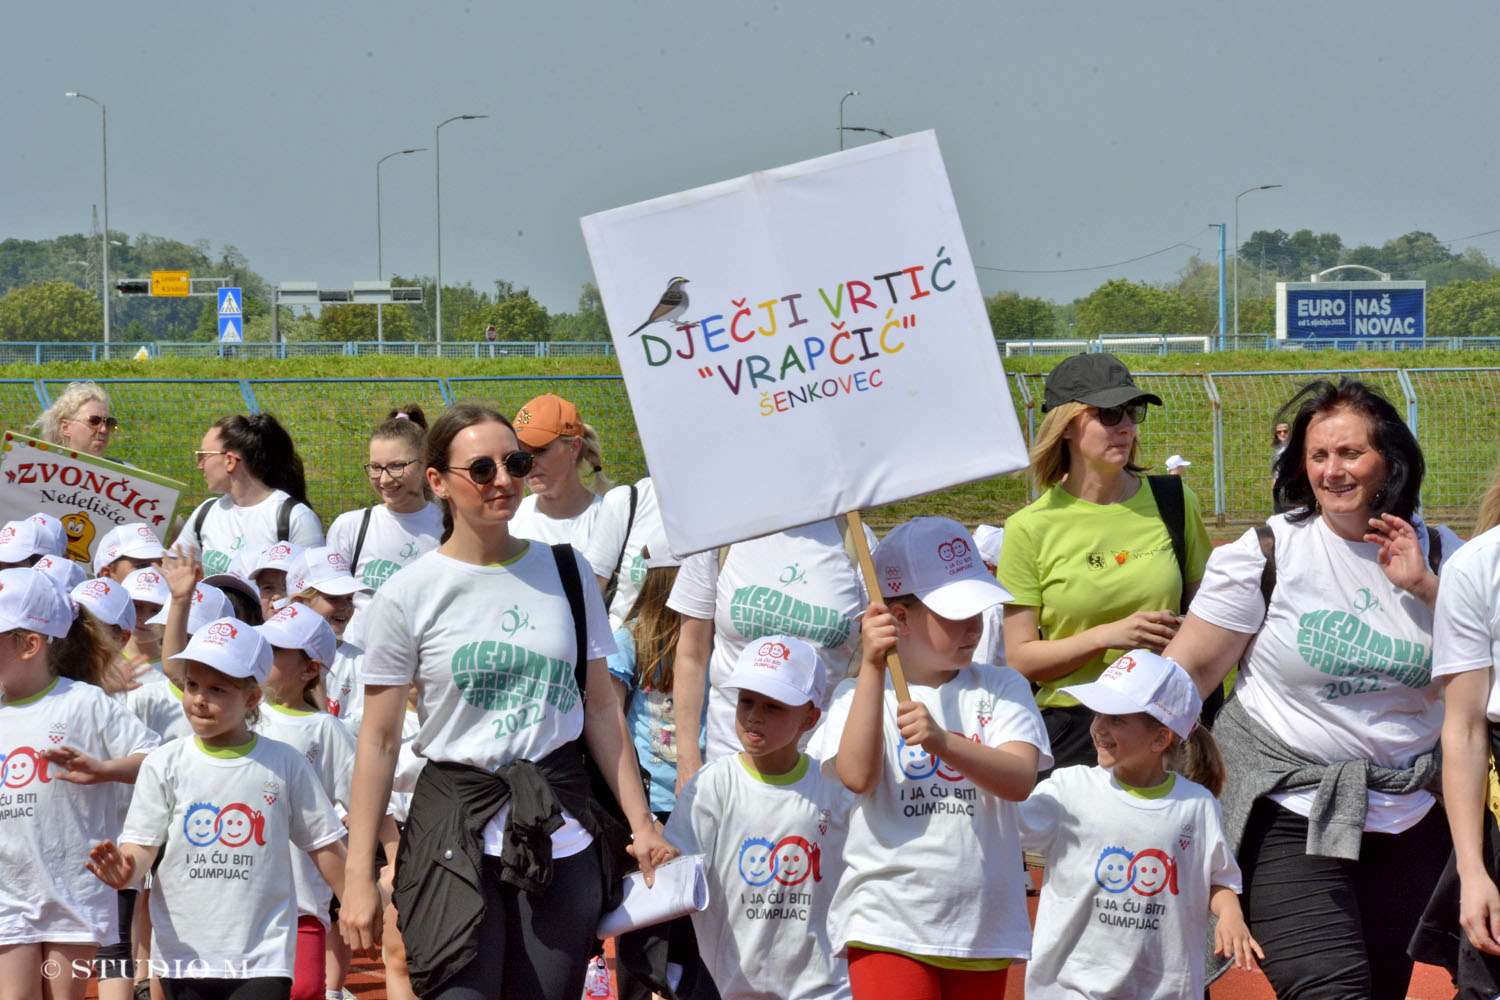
column 1354, row 310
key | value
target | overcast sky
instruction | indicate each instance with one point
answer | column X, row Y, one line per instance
column 1075, row 134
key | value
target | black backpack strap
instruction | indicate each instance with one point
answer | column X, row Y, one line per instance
column 1167, row 492
column 1434, row 548
column 199, row 518
column 284, row 519
column 1267, row 540
column 614, row 578
column 567, row 570
column 359, row 542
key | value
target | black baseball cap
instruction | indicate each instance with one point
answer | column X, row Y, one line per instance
column 1095, row 379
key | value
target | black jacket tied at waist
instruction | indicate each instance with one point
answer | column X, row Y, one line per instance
column 439, row 889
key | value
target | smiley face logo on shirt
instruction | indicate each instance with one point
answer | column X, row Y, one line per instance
column 757, row 861
column 796, row 858
column 24, row 765
column 199, row 823
column 1113, row 872
column 238, row 823
column 1151, row 871
column 915, row 762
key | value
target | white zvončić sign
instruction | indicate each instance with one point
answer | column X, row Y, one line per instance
column 804, row 342
column 89, row 495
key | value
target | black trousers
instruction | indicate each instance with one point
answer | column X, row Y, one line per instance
column 1068, row 732
column 227, row 989
column 1334, row 929
column 534, row 947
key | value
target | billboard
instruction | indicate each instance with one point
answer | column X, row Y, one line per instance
column 1351, row 310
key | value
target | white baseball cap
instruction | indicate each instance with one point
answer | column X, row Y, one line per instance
column 322, row 569
column 148, row 585
column 20, row 540
column 1177, row 462
column 65, row 571
column 33, row 601
column 988, row 537
column 1142, row 681
column 780, row 667
column 936, row 559
column 297, row 626
column 208, row 604
column 230, row 647
column 51, row 533
column 107, row 601
column 132, row 541
column 279, row 556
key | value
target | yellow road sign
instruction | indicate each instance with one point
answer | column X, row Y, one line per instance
column 169, row 283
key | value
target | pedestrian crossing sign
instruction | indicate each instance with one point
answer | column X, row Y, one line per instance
column 231, row 316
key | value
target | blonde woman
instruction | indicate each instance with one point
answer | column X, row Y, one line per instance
column 1092, row 563
column 559, row 505
column 79, row 419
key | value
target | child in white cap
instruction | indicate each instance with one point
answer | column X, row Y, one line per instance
column 159, row 706
column 267, row 569
column 932, row 899
column 302, row 646
column 223, row 809
column 320, row 579
column 64, row 746
column 771, row 826
column 24, row 541
column 1136, row 856
column 125, row 549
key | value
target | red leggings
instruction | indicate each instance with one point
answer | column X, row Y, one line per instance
column 307, row 983
column 880, row 974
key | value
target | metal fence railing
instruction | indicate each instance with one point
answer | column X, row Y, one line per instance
column 1220, row 421
column 41, row 352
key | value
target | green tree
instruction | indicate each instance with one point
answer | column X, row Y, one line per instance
column 1014, row 316
column 1464, row 309
column 359, row 322
column 51, row 310
column 1123, row 307
column 519, row 317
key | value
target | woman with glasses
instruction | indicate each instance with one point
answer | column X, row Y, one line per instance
column 405, row 524
column 1330, row 737
column 79, row 419
column 253, row 466
column 1091, row 562
column 506, row 860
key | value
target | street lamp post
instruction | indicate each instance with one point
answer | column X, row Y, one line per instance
column 1261, row 187
column 437, row 156
column 852, row 93
column 104, row 137
column 379, row 262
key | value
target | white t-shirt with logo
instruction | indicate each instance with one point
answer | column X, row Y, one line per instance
column 1466, row 624
column 345, row 685
column 1124, row 906
column 48, row 825
column 932, row 862
column 329, row 749
column 532, row 523
column 1341, row 669
column 798, row 582
column 614, row 533
column 229, row 530
column 492, row 651
column 773, row 856
column 392, row 541
column 222, row 893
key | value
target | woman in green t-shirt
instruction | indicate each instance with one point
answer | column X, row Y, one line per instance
column 1091, row 562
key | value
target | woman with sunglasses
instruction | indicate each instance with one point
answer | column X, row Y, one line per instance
column 504, row 865
column 253, row 466
column 79, row 420
column 1091, row 562
column 559, row 506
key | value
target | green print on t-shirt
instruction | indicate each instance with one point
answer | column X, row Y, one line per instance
column 762, row 611
column 1338, row 644
column 215, row 561
column 377, row 571
column 496, row 676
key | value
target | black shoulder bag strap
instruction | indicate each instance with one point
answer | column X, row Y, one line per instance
column 1167, row 492
column 200, row 517
column 284, row 520
column 359, row 542
column 614, row 578
column 1434, row 548
column 1267, row 539
column 567, row 570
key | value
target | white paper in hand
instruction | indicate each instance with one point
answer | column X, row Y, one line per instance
column 680, row 888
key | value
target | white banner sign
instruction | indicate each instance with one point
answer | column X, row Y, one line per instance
column 89, row 495
column 804, row 342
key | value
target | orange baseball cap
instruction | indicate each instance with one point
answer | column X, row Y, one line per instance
column 545, row 419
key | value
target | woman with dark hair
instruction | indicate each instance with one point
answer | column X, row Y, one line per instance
column 253, row 465
column 507, row 858
column 1330, row 736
